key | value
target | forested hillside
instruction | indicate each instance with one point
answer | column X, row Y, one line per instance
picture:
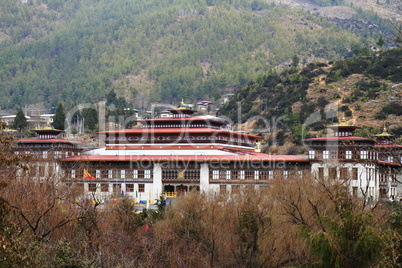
column 77, row 51
column 366, row 89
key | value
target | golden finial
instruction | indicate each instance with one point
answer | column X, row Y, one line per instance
column 48, row 126
column 182, row 105
column 258, row 148
column 385, row 130
column 343, row 120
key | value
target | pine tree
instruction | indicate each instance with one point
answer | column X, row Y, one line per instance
column 380, row 41
column 20, row 121
column 295, row 61
column 59, row 117
column 90, row 118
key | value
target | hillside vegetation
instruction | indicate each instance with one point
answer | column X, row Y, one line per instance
column 77, row 51
column 364, row 89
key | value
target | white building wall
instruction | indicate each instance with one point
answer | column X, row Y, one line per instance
column 399, row 187
column 214, row 189
column 204, row 178
column 157, row 187
column 367, row 177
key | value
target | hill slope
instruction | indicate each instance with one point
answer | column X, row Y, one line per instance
column 365, row 89
column 164, row 50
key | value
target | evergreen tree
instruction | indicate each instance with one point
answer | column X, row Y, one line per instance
column 380, row 41
column 295, row 61
column 20, row 121
column 59, row 117
column 90, row 118
column 111, row 98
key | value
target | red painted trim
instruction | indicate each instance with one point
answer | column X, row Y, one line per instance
column 196, row 158
column 150, row 131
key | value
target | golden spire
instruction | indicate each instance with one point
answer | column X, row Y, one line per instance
column 343, row 120
column 384, row 133
column 385, row 130
column 48, row 126
column 182, row 105
column 258, row 147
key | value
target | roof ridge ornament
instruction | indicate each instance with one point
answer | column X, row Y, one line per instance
column 343, row 120
column 385, row 130
column 182, row 105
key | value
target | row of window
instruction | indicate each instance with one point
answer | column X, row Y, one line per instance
column 189, row 174
column 116, row 188
column 344, row 173
column 391, row 159
column 47, row 154
column 384, row 177
column 41, row 170
column 343, row 155
column 174, row 138
column 45, row 145
column 176, row 126
column 249, row 174
column 343, row 134
column 116, row 173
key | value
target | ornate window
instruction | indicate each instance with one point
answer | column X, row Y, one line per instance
column 104, row 187
column 116, row 188
column 129, row 187
column 147, row 174
column 242, row 174
column 92, row 187
column 141, row 188
column 355, row 173
column 256, row 174
column 343, row 173
column 320, row 172
column 228, row 174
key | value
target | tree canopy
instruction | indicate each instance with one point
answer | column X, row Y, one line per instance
column 165, row 50
column 59, row 118
column 20, row 121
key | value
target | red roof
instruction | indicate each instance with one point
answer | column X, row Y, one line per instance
column 389, row 163
column 197, row 158
column 178, row 131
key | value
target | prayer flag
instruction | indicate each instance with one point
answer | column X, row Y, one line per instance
column 88, row 176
